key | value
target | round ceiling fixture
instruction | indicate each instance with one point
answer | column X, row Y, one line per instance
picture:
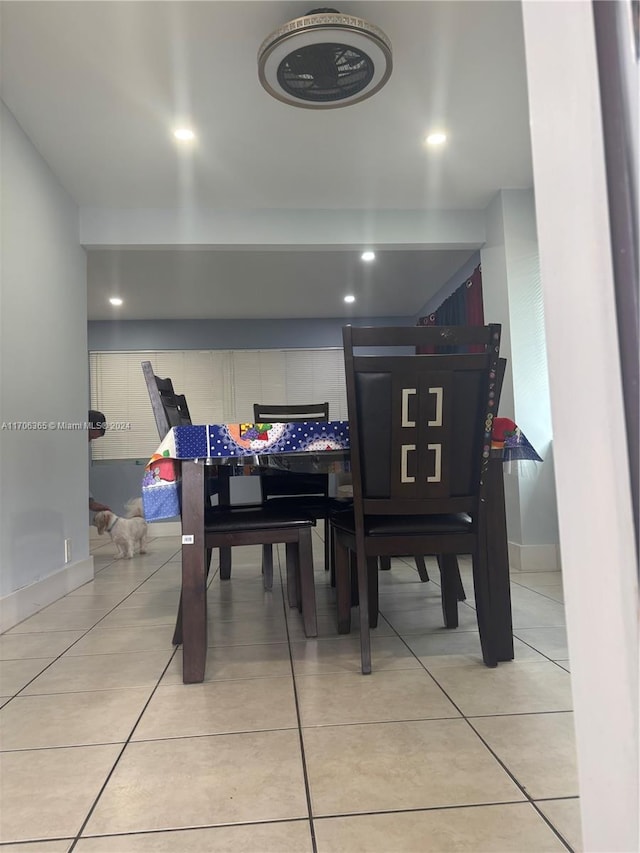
column 324, row 60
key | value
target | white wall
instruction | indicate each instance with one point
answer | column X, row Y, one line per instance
column 594, row 500
column 512, row 291
column 512, row 296
column 43, row 378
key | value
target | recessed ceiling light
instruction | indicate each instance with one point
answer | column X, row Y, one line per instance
column 436, row 139
column 368, row 256
column 184, row 134
column 115, row 300
column 349, row 298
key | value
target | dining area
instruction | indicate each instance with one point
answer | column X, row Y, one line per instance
column 447, row 506
column 345, row 662
column 165, row 207
column 347, row 669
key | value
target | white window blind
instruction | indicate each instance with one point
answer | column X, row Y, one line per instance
column 259, row 376
column 221, row 386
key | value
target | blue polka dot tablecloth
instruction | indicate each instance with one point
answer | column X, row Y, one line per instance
column 161, row 483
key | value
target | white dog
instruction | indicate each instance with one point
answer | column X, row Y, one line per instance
column 127, row 532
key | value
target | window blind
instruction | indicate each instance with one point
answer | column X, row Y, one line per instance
column 221, row 386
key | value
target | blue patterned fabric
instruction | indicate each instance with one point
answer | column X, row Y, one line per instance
column 191, row 442
column 161, row 501
column 161, row 483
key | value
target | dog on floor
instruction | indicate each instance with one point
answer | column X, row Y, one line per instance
column 126, row 533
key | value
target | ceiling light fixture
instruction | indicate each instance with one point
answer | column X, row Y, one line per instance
column 349, row 298
column 115, row 300
column 368, row 256
column 436, row 139
column 324, row 60
column 184, row 134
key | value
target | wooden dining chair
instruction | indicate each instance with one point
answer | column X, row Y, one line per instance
column 226, row 526
column 420, row 436
column 305, row 491
column 170, row 410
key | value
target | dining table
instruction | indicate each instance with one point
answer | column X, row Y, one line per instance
column 174, row 485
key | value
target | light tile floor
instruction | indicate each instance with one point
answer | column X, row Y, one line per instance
column 285, row 746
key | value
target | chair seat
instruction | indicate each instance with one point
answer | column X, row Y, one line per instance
column 252, row 518
column 405, row 525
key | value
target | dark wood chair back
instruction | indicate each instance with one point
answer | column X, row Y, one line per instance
column 275, row 484
column 169, row 409
column 264, row 413
column 420, row 425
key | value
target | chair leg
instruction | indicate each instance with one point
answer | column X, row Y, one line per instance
column 372, row 573
column 225, row 563
column 385, row 566
column 483, row 609
column 353, row 579
column 363, row 594
column 332, row 556
column 327, row 545
column 307, row 586
column 422, row 569
column 267, row 566
column 343, row 586
column 462, row 596
column 448, row 582
column 292, row 577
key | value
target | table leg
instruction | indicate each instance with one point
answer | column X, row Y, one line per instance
column 498, row 562
column 194, row 580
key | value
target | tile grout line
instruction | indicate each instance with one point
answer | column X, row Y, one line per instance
column 536, row 591
column 544, row 655
column 534, row 803
column 330, row 816
column 514, row 630
column 300, row 732
column 468, row 719
column 529, row 799
column 120, row 754
column 166, row 830
column 56, row 659
column 468, row 722
column 305, row 773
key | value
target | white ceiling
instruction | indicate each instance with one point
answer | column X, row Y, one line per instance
column 99, row 86
column 241, row 284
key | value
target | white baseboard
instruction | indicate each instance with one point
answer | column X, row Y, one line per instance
column 19, row 605
column 534, row 558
